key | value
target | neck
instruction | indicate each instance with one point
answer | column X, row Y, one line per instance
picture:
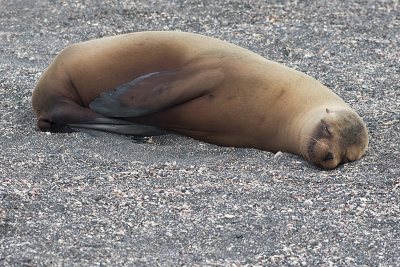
column 298, row 131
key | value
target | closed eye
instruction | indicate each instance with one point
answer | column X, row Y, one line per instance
column 327, row 130
column 324, row 128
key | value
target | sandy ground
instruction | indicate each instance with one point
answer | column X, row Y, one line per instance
column 100, row 199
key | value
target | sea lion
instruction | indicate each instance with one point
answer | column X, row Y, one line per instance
column 152, row 83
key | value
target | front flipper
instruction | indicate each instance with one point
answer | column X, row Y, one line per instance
column 65, row 116
column 158, row 91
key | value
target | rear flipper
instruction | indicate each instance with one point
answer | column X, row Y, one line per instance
column 66, row 116
column 158, row 91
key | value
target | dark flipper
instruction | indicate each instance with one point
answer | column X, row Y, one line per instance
column 158, row 91
column 66, row 116
column 120, row 126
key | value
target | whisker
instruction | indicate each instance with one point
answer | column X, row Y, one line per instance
column 310, row 146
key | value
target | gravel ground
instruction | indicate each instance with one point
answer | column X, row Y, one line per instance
column 92, row 198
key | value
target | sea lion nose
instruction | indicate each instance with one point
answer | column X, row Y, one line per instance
column 328, row 156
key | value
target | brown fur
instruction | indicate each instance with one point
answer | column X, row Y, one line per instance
column 245, row 100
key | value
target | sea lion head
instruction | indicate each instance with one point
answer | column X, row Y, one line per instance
column 340, row 136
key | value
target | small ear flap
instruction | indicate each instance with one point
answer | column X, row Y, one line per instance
column 327, row 110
